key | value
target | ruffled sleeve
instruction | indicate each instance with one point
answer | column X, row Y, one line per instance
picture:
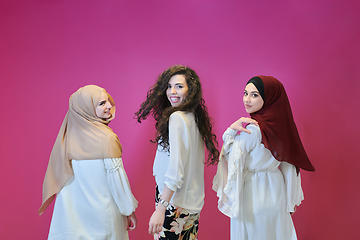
column 229, row 179
column 119, row 186
column 294, row 193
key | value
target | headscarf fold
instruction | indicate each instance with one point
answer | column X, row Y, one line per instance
column 82, row 136
column 278, row 129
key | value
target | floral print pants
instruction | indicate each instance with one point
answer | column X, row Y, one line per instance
column 178, row 224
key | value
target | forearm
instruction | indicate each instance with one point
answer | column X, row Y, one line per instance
column 157, row 218
column 166, row 196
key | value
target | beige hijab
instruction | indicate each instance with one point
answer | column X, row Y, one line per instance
column 82, row 136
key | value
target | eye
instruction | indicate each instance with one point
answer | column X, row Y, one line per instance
column 180, row 86
column 245, row 93
column 169, row 86
column 254, row 95
column 102, row 103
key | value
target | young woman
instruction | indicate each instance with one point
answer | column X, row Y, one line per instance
column 258, row 179
column 183, row 128
column 85, row 171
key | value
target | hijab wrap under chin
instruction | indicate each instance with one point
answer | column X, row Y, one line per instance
column 277, row 126
column 82, row 136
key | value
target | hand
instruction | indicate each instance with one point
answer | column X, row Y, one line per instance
column 238, row 125
column 292, row 213
column 131, row 222
column 157, row 220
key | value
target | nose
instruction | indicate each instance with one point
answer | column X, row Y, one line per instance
column 173, row 90
column 246, row 99
column 108, row 105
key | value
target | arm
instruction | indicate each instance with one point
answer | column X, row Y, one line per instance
column 119, row 186
column 238, row 125
column 178, row 140
column 157, row 218
column 229, row 179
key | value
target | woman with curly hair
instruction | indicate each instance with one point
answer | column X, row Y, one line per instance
column 183, row 130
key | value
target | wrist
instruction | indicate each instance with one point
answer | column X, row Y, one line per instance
column 160, row 208
column 163, row 202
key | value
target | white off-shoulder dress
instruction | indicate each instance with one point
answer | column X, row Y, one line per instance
column 94, row 203
column 255, row 190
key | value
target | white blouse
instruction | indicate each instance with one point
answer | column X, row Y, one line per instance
column 242, row 155
column 94, row 203
column 182, row 169
column 256, row 190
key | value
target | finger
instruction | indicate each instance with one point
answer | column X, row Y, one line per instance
column 250, row 120
column 246, row 130
column 131, row 226
column 153, row 230
column 134, row 225
column 150, row 230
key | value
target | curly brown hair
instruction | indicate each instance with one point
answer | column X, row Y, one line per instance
column 158, row 105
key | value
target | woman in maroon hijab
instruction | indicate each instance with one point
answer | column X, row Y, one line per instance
column 258, row 178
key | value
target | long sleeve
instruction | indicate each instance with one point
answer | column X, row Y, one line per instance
column 294, row 193
column 119, row 186
column 229, row 179
column 179, row 150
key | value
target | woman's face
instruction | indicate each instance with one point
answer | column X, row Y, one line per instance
column 252, row 99
column 104, row 106
column 177, row 90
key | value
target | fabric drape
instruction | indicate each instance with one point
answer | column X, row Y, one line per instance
column 82, row 136
column 278, row 129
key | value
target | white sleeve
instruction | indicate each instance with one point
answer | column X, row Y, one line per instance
column 119, row 186
column 179, row 150
column 229, row 179
column 228, row 138
column 294, row 193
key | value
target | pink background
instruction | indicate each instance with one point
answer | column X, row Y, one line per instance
column 48, row 49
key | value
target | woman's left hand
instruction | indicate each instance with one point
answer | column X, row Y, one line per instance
column 157, row 220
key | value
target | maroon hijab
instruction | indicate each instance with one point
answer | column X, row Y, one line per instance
column 278, row 129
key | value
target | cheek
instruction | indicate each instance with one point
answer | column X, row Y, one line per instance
column 99, row 110
column 259, row 104
column 168, row 92
column 185, row 92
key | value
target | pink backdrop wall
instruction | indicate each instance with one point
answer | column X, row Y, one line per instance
column 48, row 49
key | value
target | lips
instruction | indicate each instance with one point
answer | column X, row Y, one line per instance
column 174, row 99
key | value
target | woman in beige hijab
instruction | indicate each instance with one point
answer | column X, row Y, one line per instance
column 85, row 171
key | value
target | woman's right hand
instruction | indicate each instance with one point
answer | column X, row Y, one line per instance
column 157, row 220
column 238, row 125
column 131, row 222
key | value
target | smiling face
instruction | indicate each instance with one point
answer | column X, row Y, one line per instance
column 252, row 99
column 177, row 90
column 104, row 107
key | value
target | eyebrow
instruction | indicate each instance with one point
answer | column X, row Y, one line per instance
column 252, row 91
column 176, row 84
